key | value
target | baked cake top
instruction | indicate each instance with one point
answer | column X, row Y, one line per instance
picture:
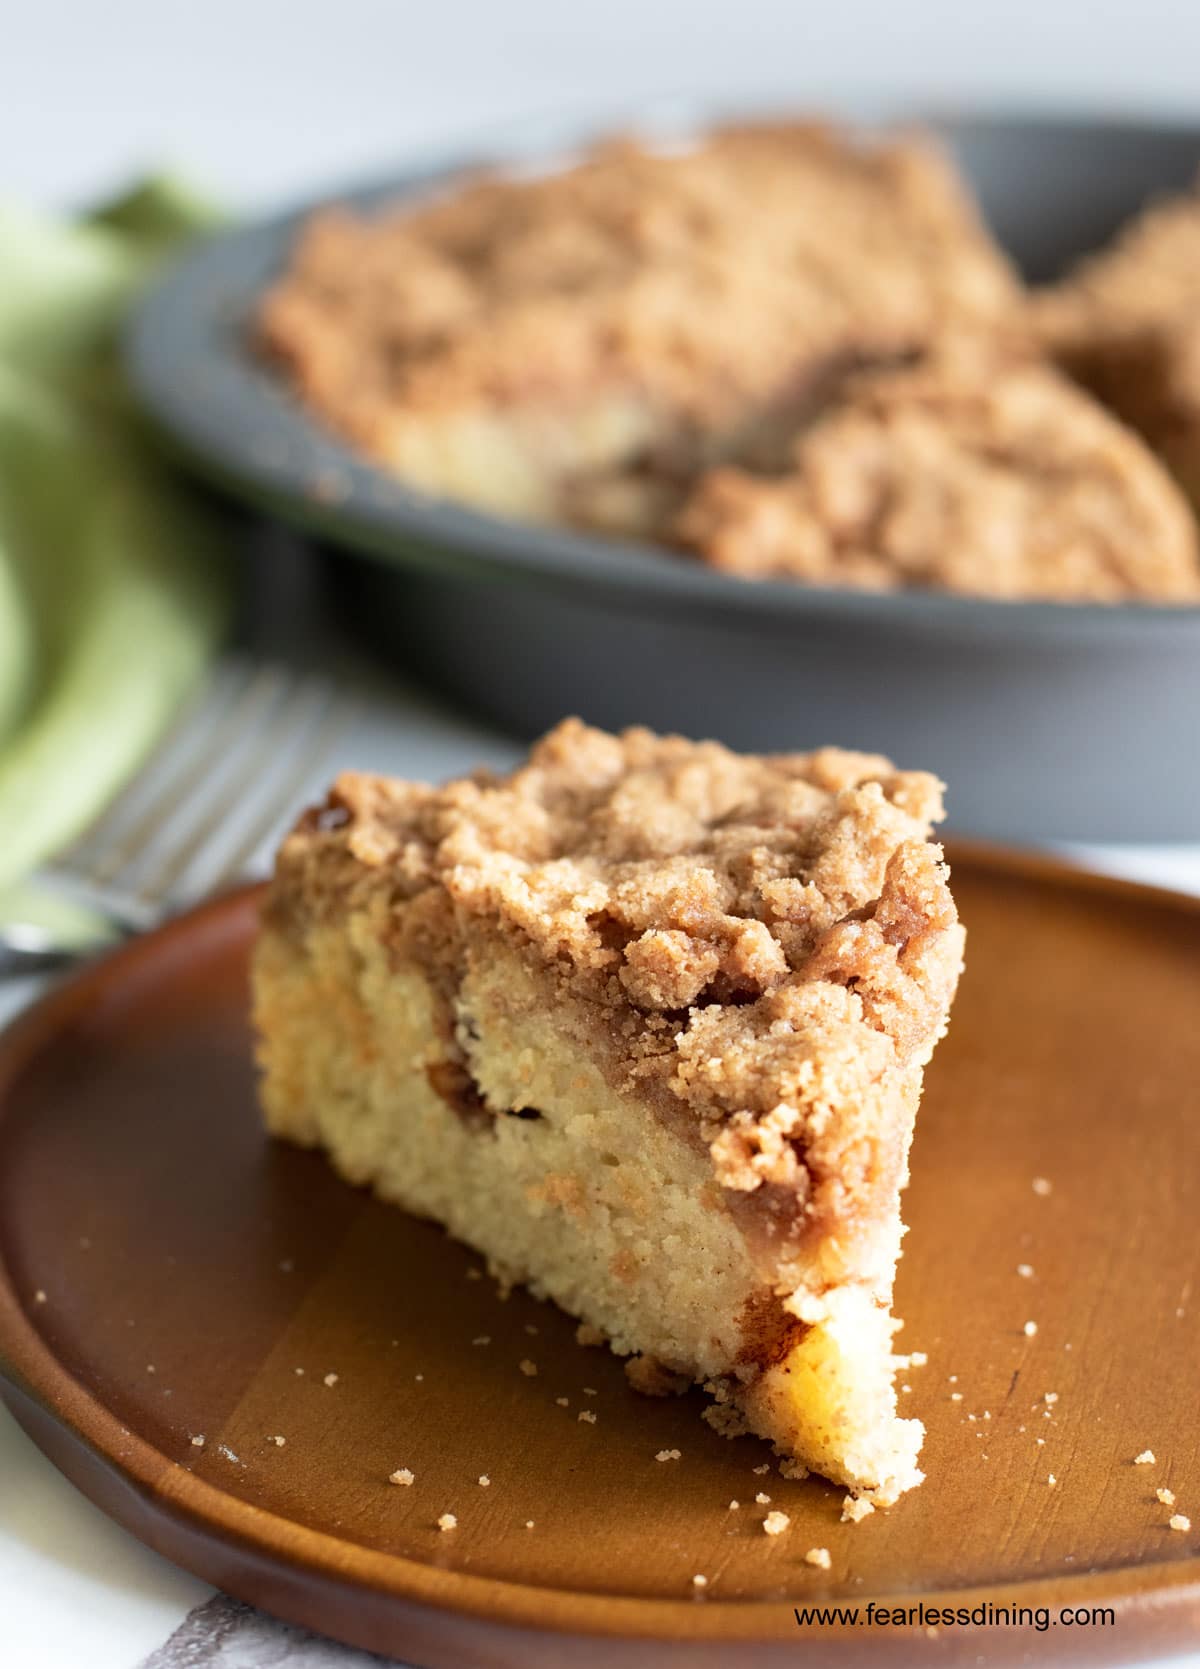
column 1148, row 277
column 1011, row 484
column 770, row 934
column 700, row 277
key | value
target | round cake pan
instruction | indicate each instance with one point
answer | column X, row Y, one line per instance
column 1047, row 721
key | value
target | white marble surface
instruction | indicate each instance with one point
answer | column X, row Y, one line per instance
column 261, row 99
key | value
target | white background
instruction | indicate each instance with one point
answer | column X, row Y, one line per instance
column 263, row 98
column 259, row 100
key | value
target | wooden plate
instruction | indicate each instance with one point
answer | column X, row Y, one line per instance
column 168, row 1274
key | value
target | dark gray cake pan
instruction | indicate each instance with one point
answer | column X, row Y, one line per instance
column 1048, row 721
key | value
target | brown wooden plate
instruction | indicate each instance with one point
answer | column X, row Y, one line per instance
column 167, row 1274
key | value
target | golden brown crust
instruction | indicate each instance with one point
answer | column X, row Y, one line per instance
column 712, row 286
column 1126, row 323
column 767, row 944
column 1011, row 484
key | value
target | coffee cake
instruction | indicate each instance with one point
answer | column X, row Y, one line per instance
column 1012, row 484
column 571, row 347
column 645, row 1023
column 1126, row 324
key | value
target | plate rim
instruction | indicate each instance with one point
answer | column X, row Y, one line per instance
column 175, row 1512
column 237, row 425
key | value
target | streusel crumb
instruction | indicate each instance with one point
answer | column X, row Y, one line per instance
column 1125, row 324
column 775, row 1523
column 818, row 1556
column 678, row 308
column 1008, row 485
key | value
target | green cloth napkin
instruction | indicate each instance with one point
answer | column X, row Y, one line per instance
column 114, row 585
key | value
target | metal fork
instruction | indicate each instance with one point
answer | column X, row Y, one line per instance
column 223, row 779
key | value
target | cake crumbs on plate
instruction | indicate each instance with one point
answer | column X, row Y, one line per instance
column 918, row 1359
column 590, row 1391
column 588, row 1334
column 1025, row 1271
column 855, row 1508
column 761, row 1471
column 447, row 1521
column 403, row 1477
column 39, row 1296
column 956, row 1396
column 776, row 1522
column 587, row 1416
column 1042, row 1186
column 1146, row 1458
column 699, row 1581
column 474, row 1274
column 733, row 1506
column 198, row 1441
column 277, row 1440
column 1052, row 1480
column 1179, row 1521
column 299, row 1372
column 762, row 1499
column 529, row 1524
column 330, row 1379
column 528, row 1368
column 563, row 1402
column 1030, row 1329
column 531, row 1329
column 818, row 1556
column 484, row 1338
column 1166, row 1496
column 1050, row 1397
column 484, row 1481
column 669, row 1454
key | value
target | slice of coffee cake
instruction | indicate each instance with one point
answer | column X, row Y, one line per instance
column 645, row 1023
column 1126, row 324
column 1013, row 484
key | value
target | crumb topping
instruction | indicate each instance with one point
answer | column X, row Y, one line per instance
column 775, row 1523
column 818, row 1556
column 403, row 1478
column 772, row 938
column 1010, row 484
column 1126, row 323
column 696, row 286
